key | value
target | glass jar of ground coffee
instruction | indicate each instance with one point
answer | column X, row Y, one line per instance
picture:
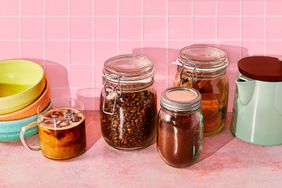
column 128, row 102
column 204, row 68
column 180, row 126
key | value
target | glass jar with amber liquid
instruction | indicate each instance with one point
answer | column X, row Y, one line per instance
column 203, row 68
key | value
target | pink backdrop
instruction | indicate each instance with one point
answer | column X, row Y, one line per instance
column 72, row 38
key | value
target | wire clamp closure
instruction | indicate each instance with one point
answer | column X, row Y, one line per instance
column 111, row 93
column 191, row 77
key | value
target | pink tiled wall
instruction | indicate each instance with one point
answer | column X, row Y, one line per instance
column 72, row 38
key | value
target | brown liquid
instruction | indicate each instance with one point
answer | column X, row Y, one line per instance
column 63, row 142
column 214, row 94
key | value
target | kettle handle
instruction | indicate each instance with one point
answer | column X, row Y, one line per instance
column 242, row 78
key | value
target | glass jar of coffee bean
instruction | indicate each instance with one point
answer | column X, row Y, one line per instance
column 128, row 102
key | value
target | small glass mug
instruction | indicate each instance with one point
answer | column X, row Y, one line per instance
column 61, row 130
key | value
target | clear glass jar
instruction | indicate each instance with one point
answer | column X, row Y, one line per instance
column 180, row 126
column 128, row 105
column 204, row 68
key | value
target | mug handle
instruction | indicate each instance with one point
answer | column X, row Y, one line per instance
column 23, row 130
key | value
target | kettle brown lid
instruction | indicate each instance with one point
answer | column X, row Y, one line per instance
column 263, row 68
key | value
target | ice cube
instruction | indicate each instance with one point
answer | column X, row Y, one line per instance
column 48, row 122
column 63, row 123
column 76, row 118
column 54, row 114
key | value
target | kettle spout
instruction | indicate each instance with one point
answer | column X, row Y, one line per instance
column 245, row 88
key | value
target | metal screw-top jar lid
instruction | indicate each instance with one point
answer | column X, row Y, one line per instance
column 181, row 99
column 203, row 57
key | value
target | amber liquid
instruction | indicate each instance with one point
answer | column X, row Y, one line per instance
column 63, row 143
column 214, row 92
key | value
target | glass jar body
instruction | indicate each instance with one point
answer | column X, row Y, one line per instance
column 179, row 137
column 214, row 91
column 132, row 125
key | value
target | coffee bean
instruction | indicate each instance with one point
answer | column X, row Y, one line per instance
column 133, row 120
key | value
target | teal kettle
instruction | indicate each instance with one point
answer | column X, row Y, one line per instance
column 257, row 111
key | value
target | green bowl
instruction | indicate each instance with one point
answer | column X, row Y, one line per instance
column 10, row 137
column 10, row 130
column 21, row 82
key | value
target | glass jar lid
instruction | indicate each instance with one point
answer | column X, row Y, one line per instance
column 204, row 58
column 181, row 99
column 128, row 69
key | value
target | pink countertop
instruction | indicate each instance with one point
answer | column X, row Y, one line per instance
column 225, row 162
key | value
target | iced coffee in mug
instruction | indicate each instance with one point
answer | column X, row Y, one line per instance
column 61, row 131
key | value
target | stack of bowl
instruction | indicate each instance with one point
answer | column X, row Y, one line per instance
column 24, row 92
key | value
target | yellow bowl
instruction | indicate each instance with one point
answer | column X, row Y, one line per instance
column 21, row 82
column 38, row 105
